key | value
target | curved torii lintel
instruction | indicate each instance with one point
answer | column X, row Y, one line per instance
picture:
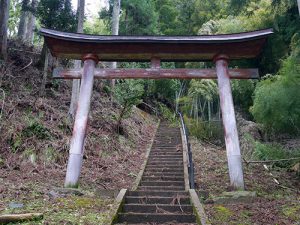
column 167, row 48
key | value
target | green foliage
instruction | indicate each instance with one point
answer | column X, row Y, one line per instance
column 36, row 129
column 205, row 130
column 95, row 26
column 202, row 95
column 57, row 14
column 14, row 16
column 138, row 17
column 222, row 213
column 242, row 91
column 275, row 152
column 128, row 93
column 165, row 89
column 167, row 113
column 277, row 99
column 168, row 23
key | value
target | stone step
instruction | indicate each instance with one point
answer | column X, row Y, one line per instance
column 166, row 154
column 161, row 166
column 155, row 217
column 161, row 162
column 163, row 156
column 157, row 200
column 153, row 173
column 172, row 194
column 162, row 183
column 157, row 208
column 162, row 152
column 163, row 170
column 166, row 157
column 161, row 188
column 162, row 178
column 171, row 147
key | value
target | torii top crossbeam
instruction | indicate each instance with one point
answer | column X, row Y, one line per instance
column 217, row 48
column 166, row 48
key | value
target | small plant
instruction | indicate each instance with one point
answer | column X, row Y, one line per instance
column 223, row 213
column 36, row 129
column 128, row 93
column 50, row 155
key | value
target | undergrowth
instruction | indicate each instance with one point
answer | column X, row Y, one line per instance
column 205, row 130
column 271, row 151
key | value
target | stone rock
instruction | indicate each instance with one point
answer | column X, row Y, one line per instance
column 15, row 205
column 248, row 132
column 235, row 197
column 63, row 192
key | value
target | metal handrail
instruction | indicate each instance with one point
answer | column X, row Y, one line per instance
column 190, row 154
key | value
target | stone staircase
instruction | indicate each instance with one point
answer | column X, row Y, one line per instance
column 160, row 197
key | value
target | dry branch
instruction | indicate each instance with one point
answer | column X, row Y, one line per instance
column 12, row 218
column 272, row 161
column 26, row 65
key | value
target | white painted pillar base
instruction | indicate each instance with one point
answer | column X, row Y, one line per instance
column 229, row 123
column 80, row 125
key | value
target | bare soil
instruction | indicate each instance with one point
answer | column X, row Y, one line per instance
column 274, row 204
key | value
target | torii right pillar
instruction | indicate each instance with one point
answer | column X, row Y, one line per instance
column 229, row 123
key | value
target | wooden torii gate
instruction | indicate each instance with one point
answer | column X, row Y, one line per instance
column 217, row 48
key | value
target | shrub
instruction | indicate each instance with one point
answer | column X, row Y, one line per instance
column 166, row 113
column 128, row 93
column 206, row 130
column 277, row 100
column 275, row 152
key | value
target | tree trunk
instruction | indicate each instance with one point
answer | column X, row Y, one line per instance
column 209, row 110
column 115, row 31
column 298, row 1
column 4, row 11
column 23, row 20
column 42, row 90
column 31, row 23
column 76, row 82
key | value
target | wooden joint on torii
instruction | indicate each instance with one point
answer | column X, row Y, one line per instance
column 216, row 48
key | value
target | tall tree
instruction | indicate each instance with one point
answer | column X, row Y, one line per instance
column 115, row 31
column 58, row 15
column 31, row 22
column 76, row 83
column 23, row 20
column 4, row 13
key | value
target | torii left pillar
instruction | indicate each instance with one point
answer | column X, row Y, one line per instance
column 81, row 120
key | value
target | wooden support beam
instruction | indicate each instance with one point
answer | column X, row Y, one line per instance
column 80, row 124
column 155, row 73
column 229, row 123
column 155, row 63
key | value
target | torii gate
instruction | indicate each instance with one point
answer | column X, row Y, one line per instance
column 217, row 48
